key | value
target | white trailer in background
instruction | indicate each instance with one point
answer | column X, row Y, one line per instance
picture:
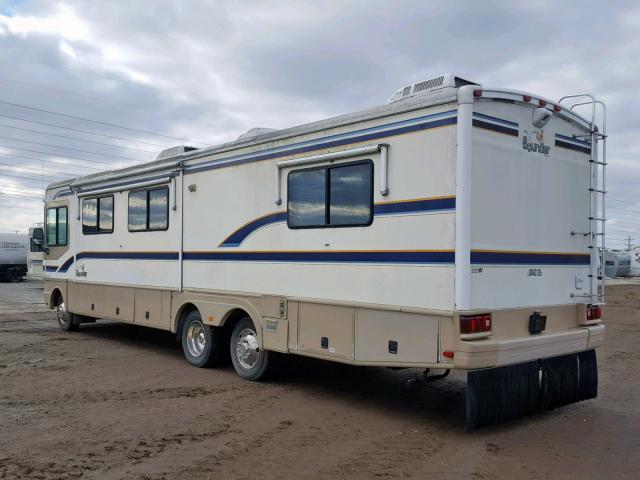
column 456, row 227
column 634, row 269
column 13, row 256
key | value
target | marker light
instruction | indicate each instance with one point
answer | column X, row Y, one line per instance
column 475, row 323
column 477, row 93
column 526, row 98
column 557, row 108
column 594, row 312
column 542, row 103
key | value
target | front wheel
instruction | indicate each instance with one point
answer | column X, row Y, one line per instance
column 249, row 360
column 66, row 320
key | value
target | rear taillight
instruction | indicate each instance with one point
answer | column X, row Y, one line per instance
column 477, row 93
column 475, row 323
column 594, row 312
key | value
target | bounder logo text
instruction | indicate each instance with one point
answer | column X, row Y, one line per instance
column 534, row 142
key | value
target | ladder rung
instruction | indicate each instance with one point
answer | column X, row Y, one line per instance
column 595, row 190
column 598, row 162
column 598, row 219
column 584, row 234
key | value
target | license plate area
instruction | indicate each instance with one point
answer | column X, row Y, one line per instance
column 537, row 323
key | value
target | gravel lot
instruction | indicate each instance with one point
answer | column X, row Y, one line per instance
column 119, row 401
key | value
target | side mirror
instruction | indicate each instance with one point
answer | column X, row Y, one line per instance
column 38, row 240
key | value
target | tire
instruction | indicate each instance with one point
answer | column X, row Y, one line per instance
column 67, row 321
column 249, row 360
column 203, row 346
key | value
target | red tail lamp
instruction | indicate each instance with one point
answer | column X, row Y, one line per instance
column 475, row 323
column 594, row 312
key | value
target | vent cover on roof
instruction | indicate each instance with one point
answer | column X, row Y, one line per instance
column 254, row 132
column 437, row 83
column 170, row 152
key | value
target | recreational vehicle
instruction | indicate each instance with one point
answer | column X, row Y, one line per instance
column 454, row 227
column 13, row 257
column 617, row 263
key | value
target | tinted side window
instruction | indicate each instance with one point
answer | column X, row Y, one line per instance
column 138, row 211
column 52, row 226
column 90, row 215
column 57, row 226
column 307, row 198
column 159, row 209
column 149, row 209
column 351, row 194
column 97, row 215
column 105, row 214
column 329, row 196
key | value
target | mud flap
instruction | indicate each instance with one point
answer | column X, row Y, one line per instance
column 501, row 394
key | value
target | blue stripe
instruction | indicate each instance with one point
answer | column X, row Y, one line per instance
column 331, row 257
column 566, row 142
column 129, row 255
column 496, row 119
column 425, row 205
column 571, row 139
column 65, row 266
column 389, row 257
column 268, row 155
column 494, row 127
column 414, row 206
column 528, row 258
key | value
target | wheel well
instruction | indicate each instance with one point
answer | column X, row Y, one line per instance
column 234, row 317
column 56, row 297
column 185, row 310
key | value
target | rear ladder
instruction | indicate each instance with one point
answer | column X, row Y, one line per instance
column 597, row 193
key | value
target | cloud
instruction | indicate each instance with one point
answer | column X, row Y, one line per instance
column 210, row 71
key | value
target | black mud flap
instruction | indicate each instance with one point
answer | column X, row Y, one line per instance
column 501, row 394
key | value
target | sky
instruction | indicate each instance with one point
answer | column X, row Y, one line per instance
column 203, row 72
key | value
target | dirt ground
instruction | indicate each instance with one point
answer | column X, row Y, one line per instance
column 118, row 401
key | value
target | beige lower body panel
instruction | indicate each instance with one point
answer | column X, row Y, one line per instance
column 356, row 334
column 492, row 353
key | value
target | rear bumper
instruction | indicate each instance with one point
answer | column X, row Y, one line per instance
column 496, row 352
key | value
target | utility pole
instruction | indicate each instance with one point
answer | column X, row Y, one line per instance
column 629, row 242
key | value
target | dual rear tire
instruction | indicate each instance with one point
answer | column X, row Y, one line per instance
column 205, row 346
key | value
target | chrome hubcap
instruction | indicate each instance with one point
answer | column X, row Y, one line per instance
column 247, row 348
column 61, row 314
column 196, row 338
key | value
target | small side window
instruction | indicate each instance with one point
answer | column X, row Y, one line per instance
column 97, row 215
column 149, row 210
column 56, row 226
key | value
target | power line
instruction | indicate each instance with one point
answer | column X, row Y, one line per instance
column 60, row 156
column 69, row 92
column 68, row 148
column 106, row 124
column 40, row 132
column 69, row 164
column 19, row 196
column 22, row 170
column 5, row 174
column 115, row 137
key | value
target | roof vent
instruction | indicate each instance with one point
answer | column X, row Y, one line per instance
column 427, row 86
column 254, row 132
column 170, row 152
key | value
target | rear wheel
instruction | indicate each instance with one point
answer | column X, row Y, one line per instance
column 202, row 345
column 67, row 321
column 249, row 360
